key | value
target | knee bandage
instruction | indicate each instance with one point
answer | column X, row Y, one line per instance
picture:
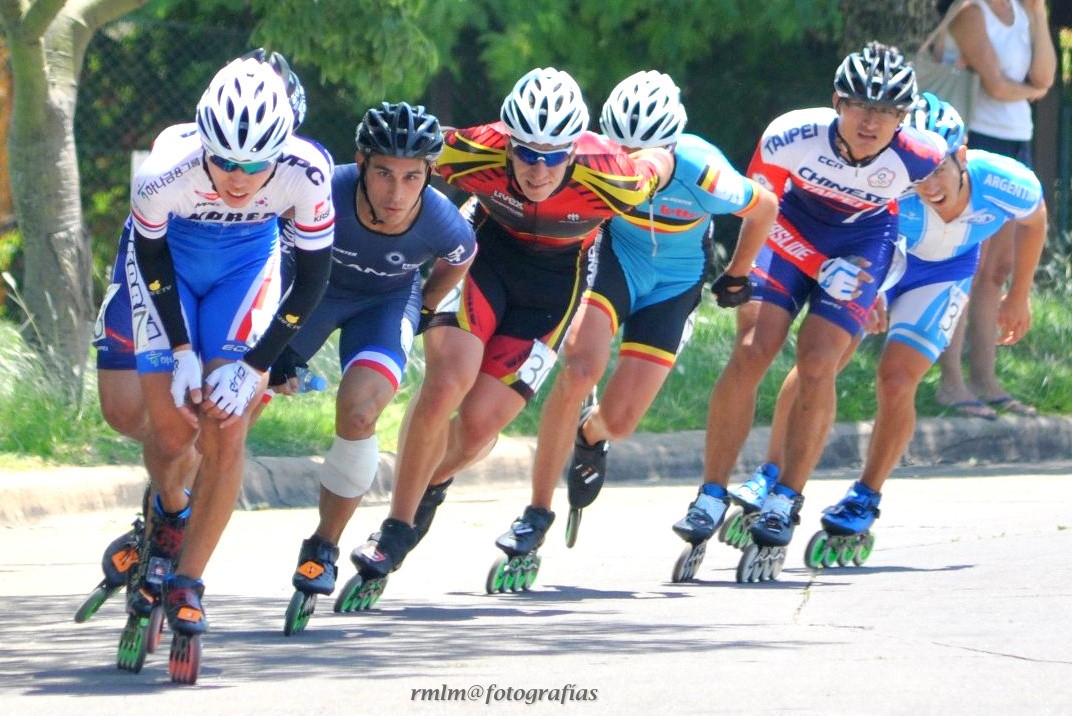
column 350, row 466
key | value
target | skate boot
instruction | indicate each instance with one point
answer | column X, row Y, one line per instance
column 120, row 557
column 586, row 473
column 430, row 501
column 749, row 497
column 846, row 535
column 705, row 514
column 376, row 559
column 516, row 571
column 182, row 601
column 315, row 575
column 771, row 533
column 157, row 556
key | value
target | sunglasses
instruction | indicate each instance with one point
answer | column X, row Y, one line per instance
column 879, row 109
column 551, row 158
column 249, row 167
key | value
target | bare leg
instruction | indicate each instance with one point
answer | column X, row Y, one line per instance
column 989, row 286
column 453, row 361
column 761, row 331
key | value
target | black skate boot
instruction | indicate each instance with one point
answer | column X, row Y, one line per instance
column 771, row 534
column 120, row 558
column 430, row 501
column 517, row 570
column 314, row 575
column 586, row 474
column 182, row 601
column 376, row 559
column 157, row 555
column 703, row 517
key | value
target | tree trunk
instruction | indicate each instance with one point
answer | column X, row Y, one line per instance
column 903, row 23
column 7, row 218
column 47, row 42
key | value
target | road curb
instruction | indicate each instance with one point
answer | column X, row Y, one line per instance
column 281, row 482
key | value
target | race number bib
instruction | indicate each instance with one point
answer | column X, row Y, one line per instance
column 537, row 366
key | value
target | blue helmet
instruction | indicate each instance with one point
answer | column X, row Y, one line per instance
column 937, row 115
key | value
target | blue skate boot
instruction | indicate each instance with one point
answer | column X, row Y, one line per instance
column 376, row 559
column 315, row 575
column 705, row 514
column 186, row 617
column 749, row 496
column 771, row 533
column 846, row 535
column 432, row 498
column 157, row 556
column 516, row 571
column 586, row 474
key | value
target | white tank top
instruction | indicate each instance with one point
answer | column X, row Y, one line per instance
column 1012, row 45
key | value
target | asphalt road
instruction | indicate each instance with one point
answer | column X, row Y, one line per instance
column 964, row 607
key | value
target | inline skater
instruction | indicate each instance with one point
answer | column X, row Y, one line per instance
column 542, row 185
column 118, row 387
column 223, row 321
column 649, row 267
column 389, row 222
column 944, row 221
column 837, row 172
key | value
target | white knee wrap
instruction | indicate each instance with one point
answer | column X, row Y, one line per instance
column 350, row 466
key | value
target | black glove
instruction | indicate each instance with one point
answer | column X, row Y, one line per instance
column 425, row 319
column 731, row 299
column 285, row 367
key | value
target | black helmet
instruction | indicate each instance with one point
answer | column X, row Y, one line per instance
column 295, row 90
column 400, row 130
column 877, row 74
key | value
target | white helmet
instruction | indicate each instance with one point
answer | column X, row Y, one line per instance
column 644, row 110
column 244, row 115
column 545, row 107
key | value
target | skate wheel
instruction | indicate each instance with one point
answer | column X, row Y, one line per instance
column 185, row 659
column 777, row 563
column 813, row 553
column 527, row 576
column 688, row 562
column 513, row 577
column 371, row 592
column 727, row 533
column 155, row 631
column 298, row 612
column 573, row 523
column 844, row 555
column 348, row 596
column 132, row 644
column 765, row 567
column 497, row 576
column 863, row 549
column 743, row 536
column 94, row 601
column 748, row 567
column 829, row 558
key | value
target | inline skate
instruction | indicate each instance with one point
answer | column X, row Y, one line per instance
column 846, row 535
column 748, row 499
column 315, row 575
column 586, row 473
column 375, row 560
column 704, row 516
column 771, row 533
column 182, row 599
column 516, row 570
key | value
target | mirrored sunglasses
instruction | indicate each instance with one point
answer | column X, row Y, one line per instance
column 249, row 167
column 551, row 158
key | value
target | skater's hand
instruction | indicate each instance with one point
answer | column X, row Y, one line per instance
column 234, row 385
column 841, row 277
column 1014, row 320
column 878, row 319
column 186, row 379
column 283, row 377
column 731, row 291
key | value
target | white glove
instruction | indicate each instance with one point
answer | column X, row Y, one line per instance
column 841, row 278
column 234, row 385
column 185, row 375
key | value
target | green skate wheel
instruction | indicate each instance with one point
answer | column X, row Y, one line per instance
column 185, row 659
column 94, row 601
column 727, row 533
column 530, row 569
column 813, row 553
column 132, row 644
column 829, row 558
column 573, row 524
column 347, row 600
column 844, row 555
column 155, row 631
column 299, row 610
column 863, row 549
column 496, row 576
